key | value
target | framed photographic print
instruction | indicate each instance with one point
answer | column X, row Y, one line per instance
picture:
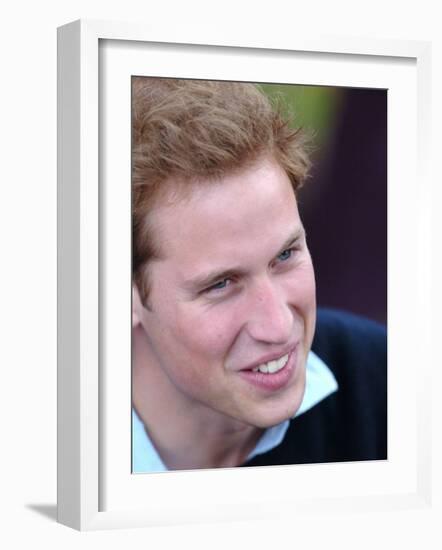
column 98, row 486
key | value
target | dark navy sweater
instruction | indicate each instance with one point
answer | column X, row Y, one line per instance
column 350, row 424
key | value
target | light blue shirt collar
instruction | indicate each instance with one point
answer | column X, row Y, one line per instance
column 320, row 383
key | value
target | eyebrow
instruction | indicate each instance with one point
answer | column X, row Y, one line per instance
column 208, row 279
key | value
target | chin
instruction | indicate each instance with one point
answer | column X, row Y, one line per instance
column 269, row 420
column 281, row 413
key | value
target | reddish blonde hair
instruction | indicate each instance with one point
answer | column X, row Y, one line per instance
column 189, row 131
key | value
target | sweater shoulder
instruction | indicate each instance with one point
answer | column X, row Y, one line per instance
column 355, row 350
column 345, row 325
column 349, row 344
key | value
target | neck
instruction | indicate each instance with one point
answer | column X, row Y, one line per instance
column 186, row 434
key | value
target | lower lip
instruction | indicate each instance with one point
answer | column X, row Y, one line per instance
column 272, row 382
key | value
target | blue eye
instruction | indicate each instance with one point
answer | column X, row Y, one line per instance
column 221, row 285
column 285, row 255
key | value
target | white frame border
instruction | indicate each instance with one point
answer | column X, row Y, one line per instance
column 78, row 257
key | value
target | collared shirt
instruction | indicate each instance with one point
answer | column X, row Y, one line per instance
column 320, row 383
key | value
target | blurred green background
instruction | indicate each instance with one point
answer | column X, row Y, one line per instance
column 314, row 108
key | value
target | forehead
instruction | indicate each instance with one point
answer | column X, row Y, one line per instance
column 229, row 217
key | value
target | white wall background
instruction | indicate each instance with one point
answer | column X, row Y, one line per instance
column 28, row 254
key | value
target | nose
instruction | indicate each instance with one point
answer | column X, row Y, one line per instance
column 269, row 315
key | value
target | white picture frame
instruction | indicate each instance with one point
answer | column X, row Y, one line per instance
column 83, row 464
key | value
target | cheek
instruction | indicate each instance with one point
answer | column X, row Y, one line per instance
column 209, row 333
column 202, row 343
column 309, row 285
column 301, row 288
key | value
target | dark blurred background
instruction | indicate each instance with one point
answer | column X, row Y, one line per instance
column 344, row 203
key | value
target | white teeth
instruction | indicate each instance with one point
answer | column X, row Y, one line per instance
column 272, row 366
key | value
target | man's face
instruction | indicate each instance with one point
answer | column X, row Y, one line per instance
column 233, row 293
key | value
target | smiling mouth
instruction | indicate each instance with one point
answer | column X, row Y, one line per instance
column 273, row 375
column 272, row 366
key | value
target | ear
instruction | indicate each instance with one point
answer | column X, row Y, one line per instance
column 137, row 306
